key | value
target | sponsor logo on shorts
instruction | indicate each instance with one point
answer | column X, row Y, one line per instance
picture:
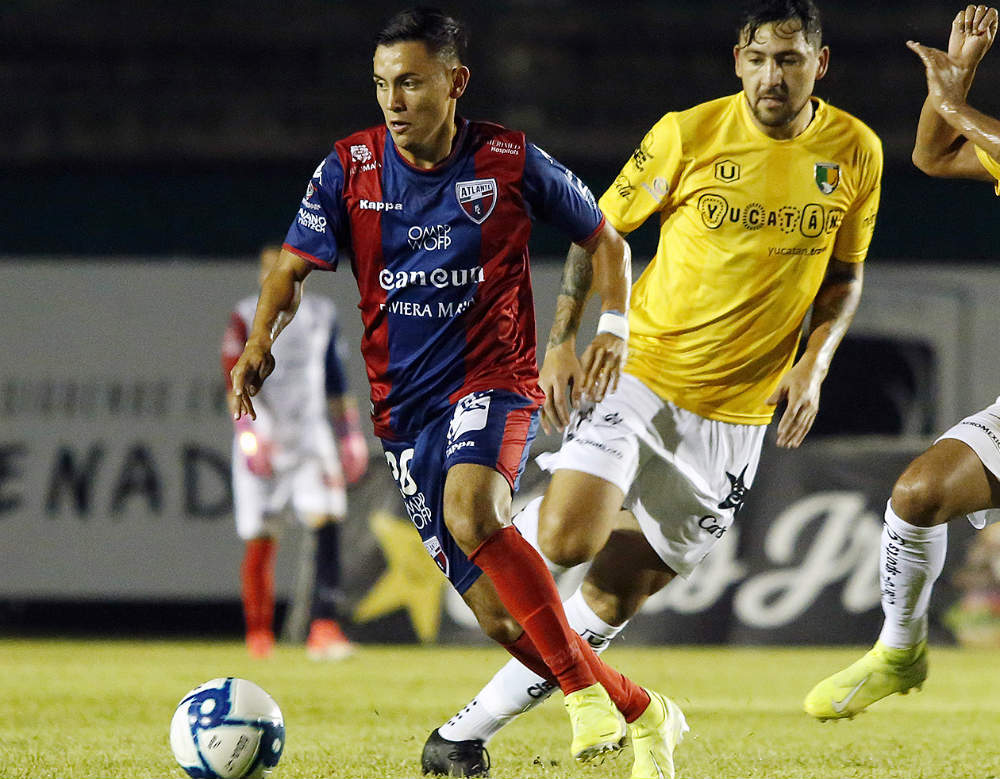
column 992, row 435
column 599, row 445
column 417, row 510
column 471, row 414
column 710, row 525
column 433, row 547
column 737, row 493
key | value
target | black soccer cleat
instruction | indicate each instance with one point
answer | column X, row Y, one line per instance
column 442, row 757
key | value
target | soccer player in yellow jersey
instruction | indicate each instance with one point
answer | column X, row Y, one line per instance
column 766, row 201
column 959, row 475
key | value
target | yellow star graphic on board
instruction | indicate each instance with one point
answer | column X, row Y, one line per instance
column 411, row 579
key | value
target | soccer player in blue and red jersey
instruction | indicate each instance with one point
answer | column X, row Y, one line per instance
column 433, row 214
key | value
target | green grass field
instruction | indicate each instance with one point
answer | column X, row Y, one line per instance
column 102, row 709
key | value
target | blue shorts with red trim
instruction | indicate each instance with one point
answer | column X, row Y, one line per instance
column 494, row 428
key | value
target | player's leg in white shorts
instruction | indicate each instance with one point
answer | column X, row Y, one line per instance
column 318, row 491
column 258, row 501
column 957, row 477
column 981, row 433
column 684, row 476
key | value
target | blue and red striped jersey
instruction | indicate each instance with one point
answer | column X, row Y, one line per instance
column 441, row 261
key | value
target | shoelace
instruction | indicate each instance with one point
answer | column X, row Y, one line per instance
column 472, row 751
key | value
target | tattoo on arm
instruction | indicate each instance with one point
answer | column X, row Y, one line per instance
column 837, row 292
column 578, row 277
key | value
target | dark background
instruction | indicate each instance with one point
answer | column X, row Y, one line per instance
column 164, row 128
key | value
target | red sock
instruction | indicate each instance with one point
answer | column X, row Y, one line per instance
column 529, row 593
column 629, row 698
column 257, row 573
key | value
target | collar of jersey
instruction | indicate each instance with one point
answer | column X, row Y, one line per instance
column 819, row 114
column 456, row 147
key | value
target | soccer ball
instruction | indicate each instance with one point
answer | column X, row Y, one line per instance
column 227, row 729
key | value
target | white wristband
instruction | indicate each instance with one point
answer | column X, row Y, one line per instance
column 614, row 322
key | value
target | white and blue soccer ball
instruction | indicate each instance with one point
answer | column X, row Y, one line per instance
column 227, row 729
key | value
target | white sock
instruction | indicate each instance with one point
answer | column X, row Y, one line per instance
column 515, row 689
column 526, row 521
column 910, row 562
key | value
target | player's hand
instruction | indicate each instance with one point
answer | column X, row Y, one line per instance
column 946, row 79
column 799, row 389
column 247, row 376
column 353, row 456
column 561, row 379
column 602, row 366
column 972, row 33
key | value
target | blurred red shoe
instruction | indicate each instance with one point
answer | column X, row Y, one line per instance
column 327, row 641
column 260, row 643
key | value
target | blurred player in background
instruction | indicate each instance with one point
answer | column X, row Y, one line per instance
column 766, row 202
column 434, row 213
column 304, row 444
column 958, row 476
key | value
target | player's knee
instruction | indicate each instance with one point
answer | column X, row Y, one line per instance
column 471, row 518
column 563, row 539
column 918, row 498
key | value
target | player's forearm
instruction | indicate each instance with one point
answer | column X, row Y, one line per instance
column 832, row 314
column 937, row 141
column 279, row 299
column 977, row 127
column 577, row 281
column 612, row 263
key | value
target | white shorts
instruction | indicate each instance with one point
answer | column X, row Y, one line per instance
column 684, row 476
column 306, row 486
column 981, row 433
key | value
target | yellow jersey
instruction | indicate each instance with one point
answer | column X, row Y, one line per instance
column 991, row 165
column 747, row 227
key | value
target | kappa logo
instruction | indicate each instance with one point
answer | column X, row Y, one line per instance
column 471, row 414
column 360, row 153
column 434, row 549
column 827, row 175
column 477, row 198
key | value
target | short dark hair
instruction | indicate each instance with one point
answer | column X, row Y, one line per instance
column 757, row 13
column 444, row 36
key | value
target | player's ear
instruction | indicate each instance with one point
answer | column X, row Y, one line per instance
column 824, row 62
column 459, row 81
column 736, row 60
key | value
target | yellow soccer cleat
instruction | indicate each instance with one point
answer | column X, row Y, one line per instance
column 598, row 727
column 881, row 672
column 654, row 736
